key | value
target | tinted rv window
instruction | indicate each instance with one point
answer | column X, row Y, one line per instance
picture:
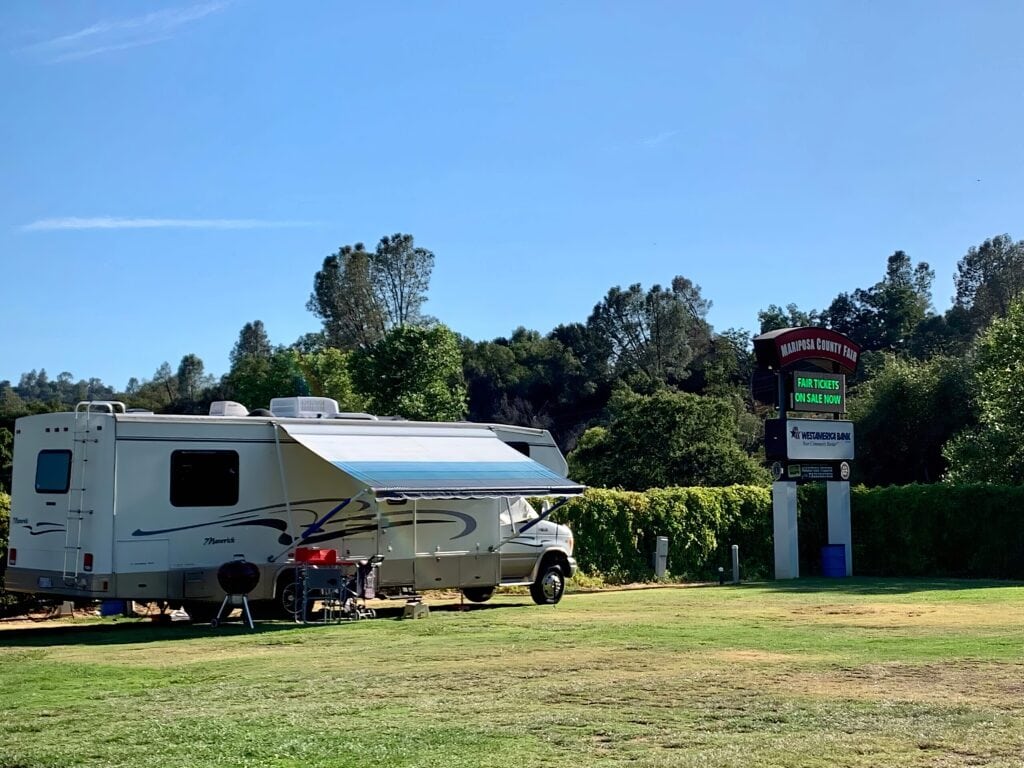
column 53, row 471
column 523, row 448
column 204, row 478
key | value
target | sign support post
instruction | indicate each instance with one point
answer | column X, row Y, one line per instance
column 787, row 551
column 839, row 529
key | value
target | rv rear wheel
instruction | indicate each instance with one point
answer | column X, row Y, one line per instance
column 478, row 594
column 549, row 586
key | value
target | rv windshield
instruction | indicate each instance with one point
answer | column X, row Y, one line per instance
column 518, row 512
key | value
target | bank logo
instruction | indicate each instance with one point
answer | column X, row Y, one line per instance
column 828, row 437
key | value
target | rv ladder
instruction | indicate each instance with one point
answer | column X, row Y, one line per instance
column 77, row 511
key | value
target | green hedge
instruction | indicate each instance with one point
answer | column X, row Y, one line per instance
column 615, row 531
column 973, row 531
column 5, row 527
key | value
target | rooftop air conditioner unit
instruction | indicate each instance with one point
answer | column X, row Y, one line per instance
column 228, row 408
column 304, row 407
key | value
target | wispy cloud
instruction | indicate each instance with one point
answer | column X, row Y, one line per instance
column 112, row 222
column 661, row 138
column 118, row 34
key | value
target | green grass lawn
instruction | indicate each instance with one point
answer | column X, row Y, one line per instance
column 851, row 673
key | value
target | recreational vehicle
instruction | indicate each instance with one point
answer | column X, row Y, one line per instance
column 109, row 503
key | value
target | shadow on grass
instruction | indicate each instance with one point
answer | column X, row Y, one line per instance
column 135, row 631
column 881, row 586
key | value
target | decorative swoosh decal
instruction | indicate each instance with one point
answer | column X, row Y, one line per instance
column 467, row 520
column 140, row 532
column 281, row 508
column 280, row 525
column 247, row 518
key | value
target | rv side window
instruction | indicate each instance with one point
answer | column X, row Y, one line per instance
column 204, row 478
column 53, row 471
column 523, row 448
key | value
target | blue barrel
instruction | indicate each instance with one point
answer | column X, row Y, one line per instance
column 112, row 607
column 833, row 561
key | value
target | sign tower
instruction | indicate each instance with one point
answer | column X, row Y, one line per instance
column 803, row 371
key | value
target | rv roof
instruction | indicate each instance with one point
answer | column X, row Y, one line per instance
column 352, row 422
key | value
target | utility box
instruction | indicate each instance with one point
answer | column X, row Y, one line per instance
column 661, row 557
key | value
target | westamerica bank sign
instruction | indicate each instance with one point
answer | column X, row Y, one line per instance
column 819, row 439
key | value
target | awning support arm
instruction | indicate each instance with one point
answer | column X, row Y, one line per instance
column 318, row 525
column 284, row 479
column 539, row 519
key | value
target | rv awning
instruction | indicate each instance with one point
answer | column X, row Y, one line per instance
column 429, row 462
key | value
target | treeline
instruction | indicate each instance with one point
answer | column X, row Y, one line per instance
column 643, row 392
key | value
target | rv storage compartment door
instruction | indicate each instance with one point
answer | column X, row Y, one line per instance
column 455, row 543
column 141, row 568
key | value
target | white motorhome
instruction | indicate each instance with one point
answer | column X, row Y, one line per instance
column 114, row 504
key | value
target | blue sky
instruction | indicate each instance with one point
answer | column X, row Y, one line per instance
column 171, row 171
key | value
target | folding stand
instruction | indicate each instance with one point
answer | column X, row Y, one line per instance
column 231, row 602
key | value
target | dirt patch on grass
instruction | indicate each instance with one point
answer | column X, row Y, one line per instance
column 911, row 615
column 763, row 657
column 999, row 686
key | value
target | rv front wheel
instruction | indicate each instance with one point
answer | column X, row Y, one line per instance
column 478, row 594
column 549, row 586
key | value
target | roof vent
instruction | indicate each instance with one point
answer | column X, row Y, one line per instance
column 304, row 407
column 228, row 408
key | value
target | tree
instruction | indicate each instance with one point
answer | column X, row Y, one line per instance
column 360, row 296
column 328, row 375
column 343, row 297
column 989, row 277
column 11, row 404
column 904, row 415
column 255, row 380
column 6, row 457
column 775, row 317
column 885, row 316
column 252, row 340
column 664, row 439
column 166, row 381
column 652, row 336
column 557, row 382
column 311, row 342
column 412, row 372
column 993, row 452
column 401, row 276
column 725, row 366
column 191, row 381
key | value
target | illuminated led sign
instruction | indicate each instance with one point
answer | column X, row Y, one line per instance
column 819, row 392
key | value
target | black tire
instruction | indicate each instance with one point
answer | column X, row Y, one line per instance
column 478, row 594
column 549, row 586
column 287, row 600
